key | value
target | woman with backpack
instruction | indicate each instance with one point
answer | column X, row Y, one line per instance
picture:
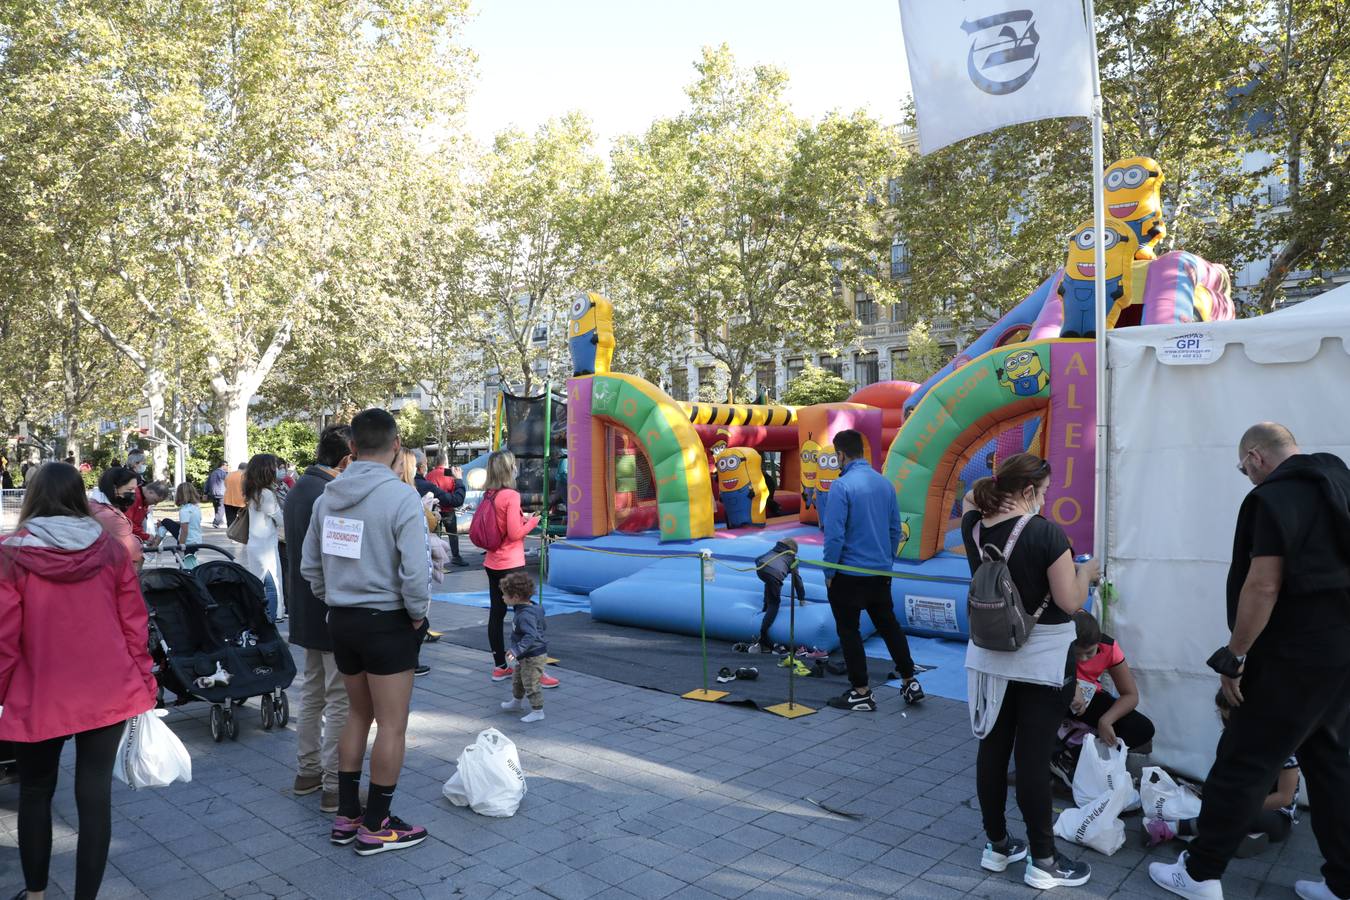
column 1019, row 663
column 499, row 527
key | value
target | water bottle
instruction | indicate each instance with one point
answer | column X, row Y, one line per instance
column 707, row 565
column 1082, row 558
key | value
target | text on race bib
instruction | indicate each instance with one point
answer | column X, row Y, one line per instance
column 342, row 537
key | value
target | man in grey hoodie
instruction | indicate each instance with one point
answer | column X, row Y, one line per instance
column 365, row 556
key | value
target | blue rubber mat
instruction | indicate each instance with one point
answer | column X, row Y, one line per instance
column 945, row 660
column 555, row 601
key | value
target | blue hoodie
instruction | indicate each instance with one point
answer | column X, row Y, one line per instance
column 862, row 520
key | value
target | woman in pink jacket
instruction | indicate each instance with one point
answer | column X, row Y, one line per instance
column 500, row 491
column 58, row 682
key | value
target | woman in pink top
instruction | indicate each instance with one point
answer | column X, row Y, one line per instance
column 500, row 491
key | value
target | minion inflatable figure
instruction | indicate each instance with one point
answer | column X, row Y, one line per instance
column 590, row 334
column 810, row 454
column 904, row 535
column 827, row 473
column 1078, row 286
column 1023, row 374
column 740, row 480
column 1134, row 196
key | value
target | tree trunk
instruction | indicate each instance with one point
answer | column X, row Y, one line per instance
column 156, row 382
column 235, row 405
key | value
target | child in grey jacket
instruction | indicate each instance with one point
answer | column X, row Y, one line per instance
column 529, row 651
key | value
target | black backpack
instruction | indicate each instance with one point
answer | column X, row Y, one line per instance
column 994, row 610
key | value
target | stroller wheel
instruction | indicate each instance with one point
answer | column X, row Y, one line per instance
column 217, row 724
column 231, row 726
column 283, row 711
column 268, row 713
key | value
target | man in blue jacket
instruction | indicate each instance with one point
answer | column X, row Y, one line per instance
column 862, row 529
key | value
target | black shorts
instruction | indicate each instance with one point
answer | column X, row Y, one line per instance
column 373, row 641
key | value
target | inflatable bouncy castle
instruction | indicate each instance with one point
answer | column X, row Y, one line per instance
column 654, row 481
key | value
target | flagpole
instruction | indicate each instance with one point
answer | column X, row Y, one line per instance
column 1099, row 518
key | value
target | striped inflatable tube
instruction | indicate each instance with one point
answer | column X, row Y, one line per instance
column 739, row 414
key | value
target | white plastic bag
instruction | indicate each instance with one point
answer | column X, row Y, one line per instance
column 489, row 779
column 1163, row 798
column 1101, row 769
column 1097, row 824
column 150, row 754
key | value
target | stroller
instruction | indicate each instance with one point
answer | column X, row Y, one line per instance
column 211, row 641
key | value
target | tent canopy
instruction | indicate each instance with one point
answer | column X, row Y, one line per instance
column 1181, row 396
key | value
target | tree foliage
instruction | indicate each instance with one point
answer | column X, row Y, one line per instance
column 816, row 385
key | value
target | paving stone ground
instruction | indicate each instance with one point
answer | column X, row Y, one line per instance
column 632, row 793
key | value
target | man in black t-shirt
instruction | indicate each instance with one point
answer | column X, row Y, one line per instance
column 1286, row 668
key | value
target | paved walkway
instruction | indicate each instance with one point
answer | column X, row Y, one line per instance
column 632, row 793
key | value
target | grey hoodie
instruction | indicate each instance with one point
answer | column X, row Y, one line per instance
column 58, row 532
column 367, row 543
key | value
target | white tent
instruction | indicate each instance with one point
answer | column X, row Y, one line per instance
column 1181, row 397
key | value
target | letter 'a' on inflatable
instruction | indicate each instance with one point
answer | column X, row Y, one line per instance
column 740, row 483
column 1133, row 190
column 590, row 334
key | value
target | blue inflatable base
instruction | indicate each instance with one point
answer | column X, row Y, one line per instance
column 631, row 582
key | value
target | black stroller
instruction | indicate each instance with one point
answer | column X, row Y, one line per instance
column 211, row 640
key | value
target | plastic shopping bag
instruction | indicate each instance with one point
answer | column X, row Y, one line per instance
column 489, row 779
column 150, row 754
column 1163, row 798
column 1101, row 768
column 1096, row 824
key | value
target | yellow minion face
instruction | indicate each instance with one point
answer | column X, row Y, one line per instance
column 904, row 535
column 1121, row 245
column 733, row 470
column 810, row 465
column 590, row 334
column 1134, row 196
column 827, row 467
column 582, row 318
column 1023, row 373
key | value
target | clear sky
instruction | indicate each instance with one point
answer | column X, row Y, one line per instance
column 626, row 62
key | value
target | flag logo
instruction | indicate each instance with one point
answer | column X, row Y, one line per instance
column 1003, row 51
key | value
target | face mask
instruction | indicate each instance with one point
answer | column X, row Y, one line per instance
column 139, row 469
column 281, row 475
column 124, row 501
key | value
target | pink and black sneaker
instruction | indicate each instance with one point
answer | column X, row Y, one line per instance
column 393, row 834
column 344, row 830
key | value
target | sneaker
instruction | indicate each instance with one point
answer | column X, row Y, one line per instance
column 306, row 784
column 854, row 701
column 344, row 830
column 1062, row 766
column 501, row 673
column 1174, row 877
column 421, row 670
column 513, row 705
column 1252, row 845
column 781, row 649
column 534, row 715
column 762, row 647
column 393, row 834
column 328, row 802
column 1315, row 890
column 811, row 653
column 996, row 861
column 547, row 681
column 913, row 693
column 1158, row 831
column 458, row 561
column 431, row 637
column 747, row 673
column 1064, row 873
column 724, row 675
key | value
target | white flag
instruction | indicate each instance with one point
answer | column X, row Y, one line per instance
column 981, row 64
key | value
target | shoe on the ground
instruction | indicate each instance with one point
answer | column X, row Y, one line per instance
column 747, row 673
column 762, row 647
column 1315, row 890
column 431, row 637
column 501, row 673
column 741, row 647
column 994, row 861
column 1174, row 877
column 547, row 681
column 854, row 701
column 1158, row 831
column 306, row 784
column 1252, row 845
column 781, row 649
column 913, row 693
column 811, row 653
column 328, row 802
column 1064, row 873
column 393, row 834
column 534, row 715
column 1062, row 766
column 513, row 705
column 459, row 561
column 421, row 670
column 724, row 675
column 344, row 830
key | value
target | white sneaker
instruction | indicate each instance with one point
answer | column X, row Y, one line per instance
column 1315, row 890
column 534, row 716
column 1174, row 877
column 513, row 705
column 993, row 861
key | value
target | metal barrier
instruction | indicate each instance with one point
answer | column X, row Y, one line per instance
column 10, row 502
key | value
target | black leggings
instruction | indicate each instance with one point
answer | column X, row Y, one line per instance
column 39, row 765
column 1027, row 725
column 1134, row 728
column 497, row 613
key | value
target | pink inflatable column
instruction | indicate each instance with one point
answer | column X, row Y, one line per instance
column 1071, row 440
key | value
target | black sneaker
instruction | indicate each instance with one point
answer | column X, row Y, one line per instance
column 997, row 860
column 421, row 670
column 1064, row 873
column 747, row 673
column 1062, row 766
column 913, row 693
column 854, row 701
column 724, row 675
column 458, row 561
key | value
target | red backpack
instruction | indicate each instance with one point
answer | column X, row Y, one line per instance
column 485, row 532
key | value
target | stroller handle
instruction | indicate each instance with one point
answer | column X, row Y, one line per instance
column 193, row 548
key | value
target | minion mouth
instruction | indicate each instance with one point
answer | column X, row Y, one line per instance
column 730, row 484
column 1122, row 210
column 1087, row 270
column 825, row 483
